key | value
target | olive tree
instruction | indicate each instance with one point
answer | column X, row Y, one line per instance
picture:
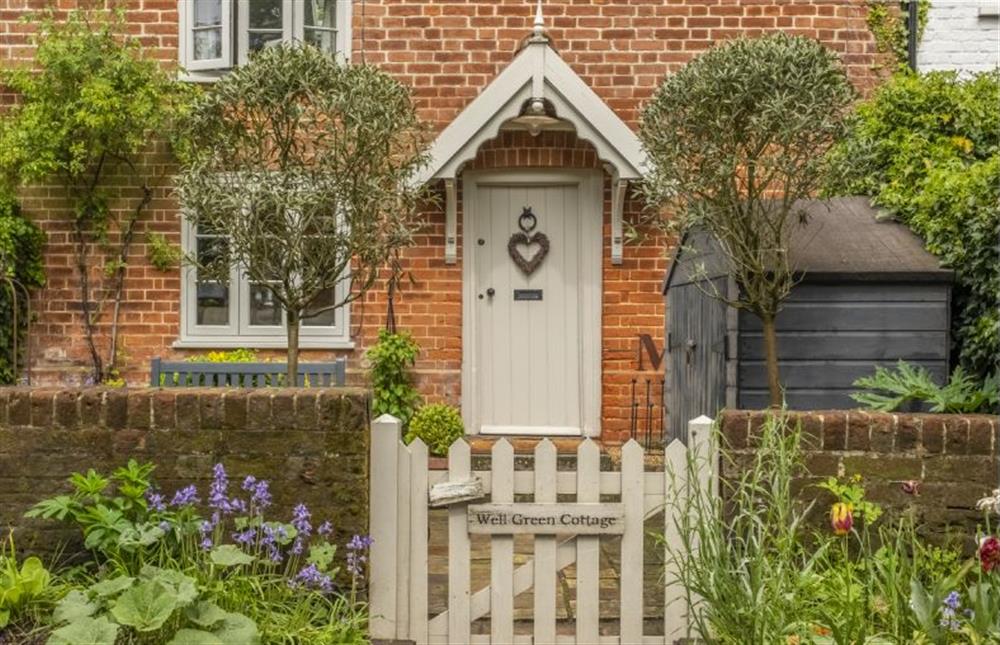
column 735, row 139
column 305, row 167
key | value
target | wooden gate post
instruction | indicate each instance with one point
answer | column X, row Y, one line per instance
column 701, row 452
column 384, row 519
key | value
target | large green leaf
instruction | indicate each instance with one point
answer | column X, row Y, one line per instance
column 182, row 585
column 195, row 637
column 205, row 614
column 238, row 629
column 112, row 586
column 4, row 617
column 73, row 607
column 146, row 606
column 229, row 555
column 85, row 631
column 34, row 577
column 322, row 555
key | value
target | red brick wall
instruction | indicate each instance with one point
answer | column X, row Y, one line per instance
column 447, row 51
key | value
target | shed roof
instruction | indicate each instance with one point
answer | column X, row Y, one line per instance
column 843, row 240
column 843, row 236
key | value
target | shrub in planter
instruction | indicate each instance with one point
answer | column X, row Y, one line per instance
column 438, row 425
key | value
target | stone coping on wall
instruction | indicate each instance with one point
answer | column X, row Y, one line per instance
column 310, row 443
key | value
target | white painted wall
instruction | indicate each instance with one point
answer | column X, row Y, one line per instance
column 961, row 35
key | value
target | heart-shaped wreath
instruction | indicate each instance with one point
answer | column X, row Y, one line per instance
column 527, row 222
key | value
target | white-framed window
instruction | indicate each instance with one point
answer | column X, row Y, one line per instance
column 241, row 313
column 216, row 34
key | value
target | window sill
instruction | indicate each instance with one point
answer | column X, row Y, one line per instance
column 250, row 342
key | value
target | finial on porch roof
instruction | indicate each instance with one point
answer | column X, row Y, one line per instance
column 539, row 21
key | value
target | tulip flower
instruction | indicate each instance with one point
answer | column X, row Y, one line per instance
column 842, row 518
column 989, row 553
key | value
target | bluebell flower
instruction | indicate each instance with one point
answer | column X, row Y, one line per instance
column 206, row 543
column 165, row 526
column 155, row 501
column 245, row 537
column 356, row 550
column 300, row 520
column 325, row 528
column 185, row 496
column 310, row 577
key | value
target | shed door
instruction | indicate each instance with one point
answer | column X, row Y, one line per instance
column 696, row 367
column 530, row 328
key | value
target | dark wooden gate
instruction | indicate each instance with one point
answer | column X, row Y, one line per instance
column 696, row 356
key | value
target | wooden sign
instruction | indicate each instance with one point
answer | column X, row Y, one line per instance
column 578, row 519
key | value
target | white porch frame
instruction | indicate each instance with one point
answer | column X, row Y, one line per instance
column 537, row 73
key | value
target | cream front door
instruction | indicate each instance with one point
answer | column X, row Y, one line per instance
column 532, row 310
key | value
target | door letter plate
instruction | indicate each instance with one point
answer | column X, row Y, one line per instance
column 527, row 294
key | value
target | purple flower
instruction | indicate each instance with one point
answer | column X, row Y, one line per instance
column 300, row 520
column 217, row 497
column 245, row 537
column 185, row 496
column 206, row 544
column 269, row 541
column 356, row 550
column 952, row 600
column 260, row 492
column 325, row 528
column 155, row 501
column 310, row 577
column 360, row 543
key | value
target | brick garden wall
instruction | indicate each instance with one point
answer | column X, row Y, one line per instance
column 954, row 458
column 312, row 445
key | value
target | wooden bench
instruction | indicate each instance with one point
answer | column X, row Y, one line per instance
column 198, row 374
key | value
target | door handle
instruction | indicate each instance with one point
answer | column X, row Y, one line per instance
column 491, row 292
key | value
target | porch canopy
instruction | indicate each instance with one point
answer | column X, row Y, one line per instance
column 538, row 91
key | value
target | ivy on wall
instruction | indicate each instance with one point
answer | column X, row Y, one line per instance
column 888, row 25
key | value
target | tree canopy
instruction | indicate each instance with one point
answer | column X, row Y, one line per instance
column 306, row 166
column 735, row 138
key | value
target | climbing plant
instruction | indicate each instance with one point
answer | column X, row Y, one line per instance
column 91, row 108
column 887, row 20
column 21, row 270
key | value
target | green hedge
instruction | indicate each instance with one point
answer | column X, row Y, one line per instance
column 926, row 148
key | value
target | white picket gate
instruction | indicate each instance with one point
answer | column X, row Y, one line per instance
column 400, row 485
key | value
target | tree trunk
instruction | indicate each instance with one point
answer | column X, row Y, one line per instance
column 771, row 353
column 83, row 270
column 293, row 347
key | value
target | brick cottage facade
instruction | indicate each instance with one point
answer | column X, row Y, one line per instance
column 588, row 76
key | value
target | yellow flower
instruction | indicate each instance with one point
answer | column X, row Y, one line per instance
column 842, row 518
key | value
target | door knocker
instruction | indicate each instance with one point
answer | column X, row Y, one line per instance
column 527, row 238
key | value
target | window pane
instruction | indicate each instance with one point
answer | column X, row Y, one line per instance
column 207, row 44
column 327, row 318
column 265, row 14
column 264, row 309
column 259, row 40
column 321, row 13
column 207, row 13
column 213, row 297
column 213, row 303
column 321, row 24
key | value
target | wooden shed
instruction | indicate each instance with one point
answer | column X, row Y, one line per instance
column 870, row 294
